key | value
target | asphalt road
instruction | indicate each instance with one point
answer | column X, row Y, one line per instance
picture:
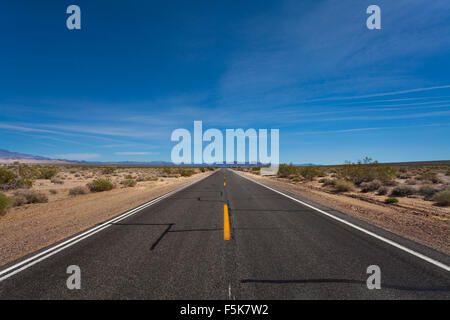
column 278, row 249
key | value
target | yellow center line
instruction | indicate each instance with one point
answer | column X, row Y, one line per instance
column 226, row 223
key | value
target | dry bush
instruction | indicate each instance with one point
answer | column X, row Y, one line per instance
column 78, row 191
column 53, row 191
column 402, row 191
column 327, row 182
column 46, row 173
column 343, row 185
column 427, row 191
column 442, row 198
column 5, row 203
column 370, row 186
column 310, row 172
column 186, row 172
column 382, row 191
column 129, row 182
column 367, row 170
column 28, row 196
column 285, row 170
column 56, row 181
column 108, row 170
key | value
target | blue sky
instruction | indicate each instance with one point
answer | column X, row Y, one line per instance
column 137, row 70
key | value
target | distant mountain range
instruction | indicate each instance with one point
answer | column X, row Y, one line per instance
column 5, row 154
column 9, row 157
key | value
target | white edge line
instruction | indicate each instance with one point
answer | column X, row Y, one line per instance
column 392, row 243
column 71, row 241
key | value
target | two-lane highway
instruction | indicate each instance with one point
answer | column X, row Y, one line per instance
column 277, row 248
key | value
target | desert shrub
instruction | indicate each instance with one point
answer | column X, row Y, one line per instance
column 285, row 170
column 366, row 171
column 186, row 172
column 382, row 191
column 128, row 176
column 391, row 200
column 6, row 176
column 447, row 173
column 442, row 198
column 29, row 196
column 13, row 180
column 108, row 170
column 370, row 186
column 99, row 185
column 427, row 191
column 78, row 190
column 343, row 185
column 5, row 203
column 53, row 191
column 46, row 173
column 296, row 179
column 129, row 182
column 328, row 182
column 402, row 191
column 167, row 170
column 309, row 173
column 429, row 176
column 57, row 181
column 202, row 169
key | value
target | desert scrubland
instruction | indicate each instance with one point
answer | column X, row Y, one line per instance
column 409, row 199
column 42, row 204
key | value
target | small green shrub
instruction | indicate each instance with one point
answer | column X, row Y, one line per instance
column 391, row 200
column 343, row 185
column 53, row 191
column 402, row 191
column 78, row 191
column 99, row 185
column 442, row 198
column 5, row 203
column 29, row 196
column 129, row 182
